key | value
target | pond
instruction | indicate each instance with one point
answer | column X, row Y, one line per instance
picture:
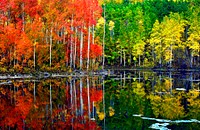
column 122, row 100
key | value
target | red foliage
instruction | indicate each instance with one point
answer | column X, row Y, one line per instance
column 96, row 50
column 14, row 115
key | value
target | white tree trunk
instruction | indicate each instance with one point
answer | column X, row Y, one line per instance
column 88, row 54
column 23, row 17
column 104, row 34
column 75, row 47
column 81, row 49
column 71, row 43
column 34, row 51
column 170, row 62
column 191, row 60
column 124, row 59
column 50, row 47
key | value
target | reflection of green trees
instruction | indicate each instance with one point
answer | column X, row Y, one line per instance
column 151, row 96
column 126, row 101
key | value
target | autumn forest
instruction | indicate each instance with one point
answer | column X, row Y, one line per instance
column 57, row 35
column 99, row 64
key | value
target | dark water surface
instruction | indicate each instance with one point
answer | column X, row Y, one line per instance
column 130, row 100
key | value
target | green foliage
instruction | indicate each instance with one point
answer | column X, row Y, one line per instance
column 153, row 32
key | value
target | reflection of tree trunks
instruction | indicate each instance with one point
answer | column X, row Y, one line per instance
column 72, row 102
column 153, row 83
column 88, row 95
column 24, row 125
column 81, row 97
column 93, row 107
column 170, row 77
column 120, row 79
column 93, row 110
column 124, row 78
column 11, row 98
column 14, row 96
column 51, row 101
column 71, row 95
column 191, row 80
column 139, row 76
column 75, row 100
column 104, row 120
column 34, row 91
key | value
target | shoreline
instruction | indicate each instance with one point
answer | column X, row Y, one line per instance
column 78, row 73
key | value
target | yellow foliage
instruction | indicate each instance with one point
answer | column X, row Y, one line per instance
column 101, row 115
column 167, row 106
column 139, row 89
column 39, row 1
column 119, row 1
column 136, row 1
column 168, row 84
column 101, row 2
column 111, row 25
column 111, row 111
column 100, row 22
column 155, row 102
column 167, row 55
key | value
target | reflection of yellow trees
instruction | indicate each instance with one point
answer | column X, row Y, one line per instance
column 111, row 111
column 167, row 106
column 138, row 90
column 163, row 86
column 194, row 103
column 99, row 111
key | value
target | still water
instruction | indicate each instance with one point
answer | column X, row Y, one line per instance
column 131, row 100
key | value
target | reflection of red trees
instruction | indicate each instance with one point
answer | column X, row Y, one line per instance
column 76, row 124
column 13, row 115
column 23, row 112
column 96, row 95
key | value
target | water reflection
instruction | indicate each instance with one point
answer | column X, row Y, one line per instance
column 123, row 100
column 166, row 95
column 51, row 104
